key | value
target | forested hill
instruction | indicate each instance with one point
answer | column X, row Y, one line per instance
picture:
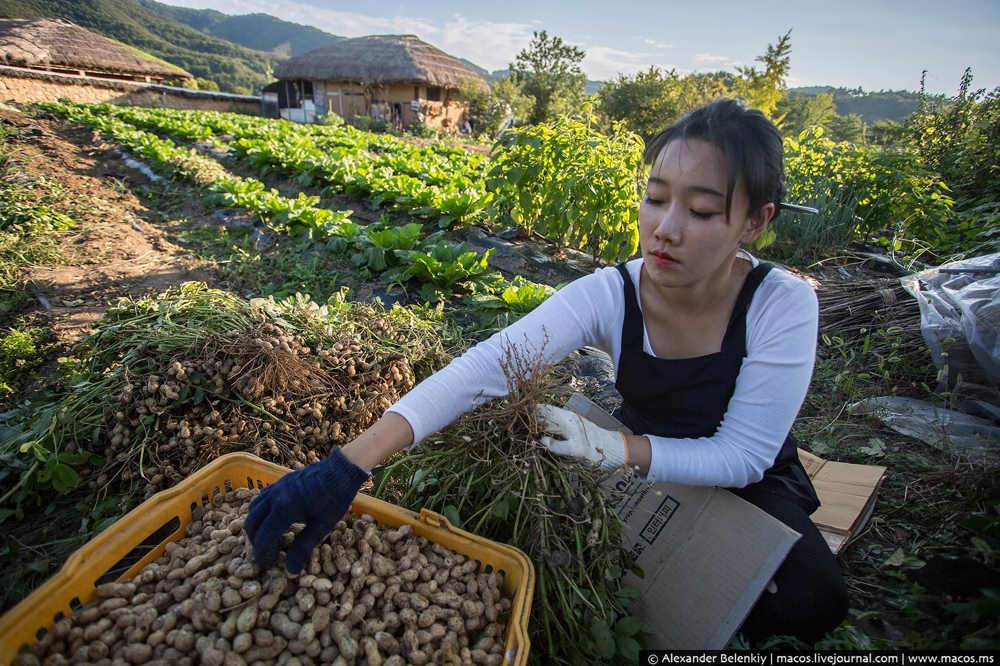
column 871, row 106
column 260, row 32
column 235, row 68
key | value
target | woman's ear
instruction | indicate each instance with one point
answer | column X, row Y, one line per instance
column 757, row 223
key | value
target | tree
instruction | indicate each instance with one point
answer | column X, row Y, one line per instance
column 490, row 109
column 800, row 112
column 549, row 71
column 959, row 137
column 848, row 128
column 764, row 89
column 886, row 134
column 649, row 101
column 202, row 84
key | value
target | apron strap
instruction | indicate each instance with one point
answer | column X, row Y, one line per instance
column 736, row 331
column 632, row 326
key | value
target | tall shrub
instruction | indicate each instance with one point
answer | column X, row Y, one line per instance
column 890, row 188
column 571, row 184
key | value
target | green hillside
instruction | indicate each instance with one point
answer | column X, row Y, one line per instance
column 235, row 68
column 871, row 106
column 260, row 32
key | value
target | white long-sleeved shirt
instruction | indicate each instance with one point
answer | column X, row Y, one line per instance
column 782, row 322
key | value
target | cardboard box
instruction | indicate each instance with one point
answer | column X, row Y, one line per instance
column 706, row 554
column 847, row 494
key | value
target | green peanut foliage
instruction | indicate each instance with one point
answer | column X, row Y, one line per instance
column 572, row 184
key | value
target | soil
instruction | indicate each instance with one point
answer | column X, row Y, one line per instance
column 117, row 249
column 124, row 245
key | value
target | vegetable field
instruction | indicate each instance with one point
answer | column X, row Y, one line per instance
column 272, row 288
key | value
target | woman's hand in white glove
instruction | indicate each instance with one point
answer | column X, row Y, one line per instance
column 580, row 438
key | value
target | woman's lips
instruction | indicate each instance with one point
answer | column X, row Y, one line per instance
column 663, row 258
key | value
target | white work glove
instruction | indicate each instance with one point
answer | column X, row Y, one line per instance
column 580, row 438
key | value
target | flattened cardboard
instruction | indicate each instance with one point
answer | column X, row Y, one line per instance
column 847, row 494
column 846, row 491
column 706, row 554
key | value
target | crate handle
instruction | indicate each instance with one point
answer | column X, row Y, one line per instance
column 435, row 519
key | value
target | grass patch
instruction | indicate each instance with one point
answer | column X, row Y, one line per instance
column 31, row 224
column 21, row 351
column 935, row 506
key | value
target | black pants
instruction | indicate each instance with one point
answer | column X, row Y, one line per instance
column 811, row 599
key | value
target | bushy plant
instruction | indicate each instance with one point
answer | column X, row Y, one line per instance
column 649, row 101
column 959, row 137
column 330, row 119
column 572, row 184
column 892, row 188
column 19, row 353
column 423, row 130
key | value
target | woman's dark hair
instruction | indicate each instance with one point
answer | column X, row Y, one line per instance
column 751, row 143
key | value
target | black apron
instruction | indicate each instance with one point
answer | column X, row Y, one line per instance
column 687, row 398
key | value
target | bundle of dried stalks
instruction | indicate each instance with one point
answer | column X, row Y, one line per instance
column 854, row 310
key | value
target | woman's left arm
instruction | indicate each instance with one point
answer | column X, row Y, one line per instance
column 773, row 381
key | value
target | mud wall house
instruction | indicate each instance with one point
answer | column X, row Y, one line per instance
column 44, row 60
column 396, row 79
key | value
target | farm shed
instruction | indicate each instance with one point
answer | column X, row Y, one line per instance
column 396, row 79
column 61, row 47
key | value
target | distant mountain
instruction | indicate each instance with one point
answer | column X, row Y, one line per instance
column 261, row 32
column 872, row 106
column 233, row 67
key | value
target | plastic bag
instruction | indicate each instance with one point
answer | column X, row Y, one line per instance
column 961, row 300
column 935, row 425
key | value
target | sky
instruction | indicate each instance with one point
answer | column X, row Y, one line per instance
column 873, row 44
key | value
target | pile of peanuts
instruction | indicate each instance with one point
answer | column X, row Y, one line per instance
column 304, row 403
column 369, row 595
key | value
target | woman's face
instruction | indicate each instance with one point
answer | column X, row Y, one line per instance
column 685, row 236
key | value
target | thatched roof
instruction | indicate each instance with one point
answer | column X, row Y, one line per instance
column 59, row 45
column 379, row 59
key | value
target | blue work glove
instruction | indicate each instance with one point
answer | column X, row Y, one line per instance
column 318, row 495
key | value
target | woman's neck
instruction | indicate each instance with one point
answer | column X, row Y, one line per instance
column 706, row 295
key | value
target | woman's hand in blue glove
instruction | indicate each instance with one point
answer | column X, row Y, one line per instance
column 318, row 495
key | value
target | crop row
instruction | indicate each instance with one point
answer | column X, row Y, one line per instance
column 441, row 183
column 396, row 254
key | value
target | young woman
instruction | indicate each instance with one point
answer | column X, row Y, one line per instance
column 713, row 354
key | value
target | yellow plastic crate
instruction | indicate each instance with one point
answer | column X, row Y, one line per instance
column 167, row 515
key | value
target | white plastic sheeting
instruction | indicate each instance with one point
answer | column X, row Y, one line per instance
column 961, row 300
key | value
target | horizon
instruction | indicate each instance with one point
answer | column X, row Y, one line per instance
column 833, row 46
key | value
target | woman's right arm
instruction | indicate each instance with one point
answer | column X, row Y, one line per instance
column 571, row 318
column 390, row 434
column 588, row 311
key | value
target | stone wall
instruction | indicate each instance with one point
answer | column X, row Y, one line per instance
column 25, row 86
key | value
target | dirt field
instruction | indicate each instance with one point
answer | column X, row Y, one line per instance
column 118, row 248
column 916, row 574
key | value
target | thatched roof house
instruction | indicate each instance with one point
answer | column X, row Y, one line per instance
column 400, row 78
column 56, row 45
column 380, row 59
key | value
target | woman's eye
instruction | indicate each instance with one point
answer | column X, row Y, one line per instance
column 701, row 215
column 651, row 201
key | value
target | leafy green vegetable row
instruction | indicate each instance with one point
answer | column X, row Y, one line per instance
column 397, row 255
column 445, row 184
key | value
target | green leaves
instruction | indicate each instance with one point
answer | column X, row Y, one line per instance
column 449, row 266
column 572, row 184
column 522, row 296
